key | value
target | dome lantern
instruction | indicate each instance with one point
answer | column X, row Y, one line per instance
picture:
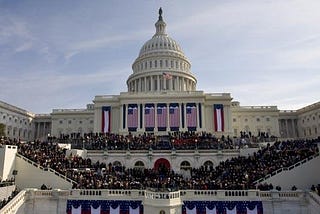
column 160, row 25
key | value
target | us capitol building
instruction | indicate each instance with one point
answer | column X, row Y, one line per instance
column 162, row 97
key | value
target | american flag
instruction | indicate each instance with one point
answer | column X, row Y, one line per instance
column 162, row 116
column 149, row 116
column 174, row 116
column 167, row 75
column 191, row 116
column 218, row 117
column 133, row 116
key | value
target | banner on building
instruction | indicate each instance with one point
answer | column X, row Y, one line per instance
column 106, row 119
column 191, row 116
column 132, row 117
column 218, row 117
column 222, row 207
column 149, row 117
column 174, row 116
column 104, row 207
column 162, row 116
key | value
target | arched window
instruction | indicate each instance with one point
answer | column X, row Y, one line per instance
column 185, row 165
column 162, row 212
column 139, row 165
column 117, row 163
column 208, row 164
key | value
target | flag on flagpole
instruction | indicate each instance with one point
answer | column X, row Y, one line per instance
column 167, row 75
column 218, row 117
column 106, row 119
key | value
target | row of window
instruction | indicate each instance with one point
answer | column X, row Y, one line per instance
column 257, row 119
column 308, row 118
column 15, row 132
column 185, row 165
column 80, row 130
column 5, row 115
column 16, row 120
column 155, row 45
column 247, row 130
column 161, row 64
column 70, row 121
column 310, row 131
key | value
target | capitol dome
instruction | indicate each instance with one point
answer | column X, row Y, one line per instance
column 161, row 65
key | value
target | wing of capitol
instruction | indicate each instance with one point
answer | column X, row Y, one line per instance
column 161, row 147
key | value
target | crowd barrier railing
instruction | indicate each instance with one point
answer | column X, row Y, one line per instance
column 286, row 168
column 13, row 205
column 45, row 169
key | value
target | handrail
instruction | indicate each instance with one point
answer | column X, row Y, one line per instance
column 186, row 194
column 14, row 204
column 46, row 169
column 286, row 168
column 292, row 195
column 315, row 197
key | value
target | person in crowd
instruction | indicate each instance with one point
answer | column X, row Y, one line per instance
column 235, row 173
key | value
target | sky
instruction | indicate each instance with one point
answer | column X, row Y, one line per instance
column 62, row 53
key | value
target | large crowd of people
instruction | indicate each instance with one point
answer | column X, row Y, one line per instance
column 147, row 141
column 234, row 173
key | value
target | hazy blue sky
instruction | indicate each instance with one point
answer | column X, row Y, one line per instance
column 61, row 53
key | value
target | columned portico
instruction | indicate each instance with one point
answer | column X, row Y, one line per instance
column 201, row 103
